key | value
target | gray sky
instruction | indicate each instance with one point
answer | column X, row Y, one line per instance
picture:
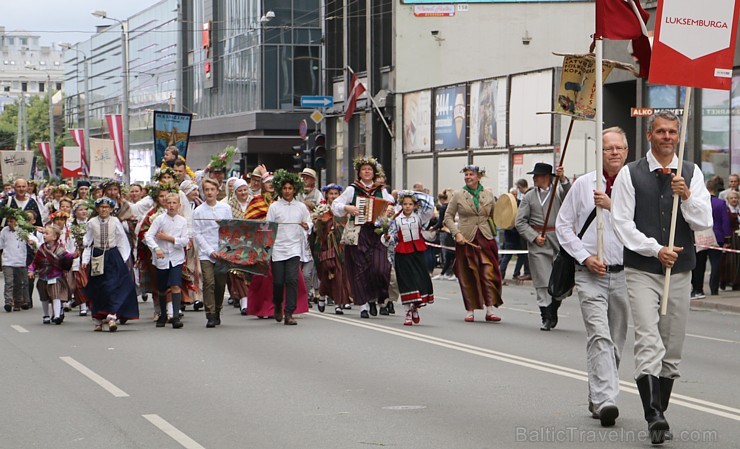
column 67, row 20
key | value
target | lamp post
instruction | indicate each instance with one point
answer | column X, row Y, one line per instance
column 52, row 147
column 86, row 115
column 124, row 89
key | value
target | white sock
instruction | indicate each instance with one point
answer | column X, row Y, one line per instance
column 83, row 307
column 322, row 301
column 56, row 305
column 45, row 307
column 243, row 303
column 489, row 310
column 407, row 307
column 364, row 307
column 170, row 314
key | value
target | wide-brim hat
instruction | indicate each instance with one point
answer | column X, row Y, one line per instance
column 505, row 210
column 541, row 168
column 309, row 172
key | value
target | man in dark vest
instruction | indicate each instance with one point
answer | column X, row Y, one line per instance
column 642, row 200
column 21, row 200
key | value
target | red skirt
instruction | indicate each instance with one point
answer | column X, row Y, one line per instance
column 260, row 296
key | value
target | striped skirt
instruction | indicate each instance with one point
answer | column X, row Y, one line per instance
column 414, row 282
column 367, row 267
column 477, row 271
column 57, row 290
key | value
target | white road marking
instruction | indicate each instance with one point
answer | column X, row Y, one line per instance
column 171, row 431
column 686, row 401
column 711, row 338
column 90, row 374
column 20, row 329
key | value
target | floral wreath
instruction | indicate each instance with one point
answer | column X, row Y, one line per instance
column 220, row 161
column 105, row 200
column 155, row 189
column 476, row 168
column 332, row 186
column 105, row 185
column 163, row 171
column 366, row 160
column 282, row 176
column 61, row 215
column 407, row 194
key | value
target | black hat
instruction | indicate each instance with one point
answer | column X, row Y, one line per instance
column 540, row 168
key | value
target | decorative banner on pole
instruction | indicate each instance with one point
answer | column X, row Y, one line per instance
column 694, row 43
column 45, row 150
column 71, row 163
column 16, row 164
column 102, row 158
column 171, row 129
column 246, row 245
column 115, row 127
column 78, row 135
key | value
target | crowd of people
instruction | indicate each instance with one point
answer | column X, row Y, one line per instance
column 98, row 247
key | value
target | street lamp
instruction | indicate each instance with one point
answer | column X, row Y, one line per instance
column 52, row 146
column 124, row 88
column 66, row 46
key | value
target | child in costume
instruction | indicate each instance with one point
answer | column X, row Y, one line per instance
column 50, row 265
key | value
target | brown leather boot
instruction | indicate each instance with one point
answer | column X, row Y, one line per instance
column 289, row 321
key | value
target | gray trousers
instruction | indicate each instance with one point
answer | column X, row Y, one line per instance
column 658, row 339
column 605, row 310
column 543, row 298
column 16, row 286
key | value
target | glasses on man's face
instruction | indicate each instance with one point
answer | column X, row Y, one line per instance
column 614, row 149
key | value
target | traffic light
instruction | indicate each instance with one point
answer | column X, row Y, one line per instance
column 298, row 158
column 319, row 152
column 306, row 154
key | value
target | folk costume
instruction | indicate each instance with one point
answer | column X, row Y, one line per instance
column 238, row 281
column 326, row 237
column 50, row 265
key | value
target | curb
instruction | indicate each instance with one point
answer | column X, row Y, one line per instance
column 720, row 307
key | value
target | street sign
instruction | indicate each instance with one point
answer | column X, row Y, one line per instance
column 303, row 129
column 317, row 116
column 316, row 101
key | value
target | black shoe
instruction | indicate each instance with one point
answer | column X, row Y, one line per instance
column 546, row 323
column 24, row 307
column 339, row 311
column 211, row 323
column 321, row 306
column 278, row 315
column 8, row 308
column 230, row 300
column 217, row 318
column 197, row 305
column 608, row 415
column 176, row 323
column 347, row 307
column 364, row 314
column 145, row 297
column 649, row 387
column 243, row 312
column 383, row 310
column 391, row 308
column 373, row 309
column 554, row 306
column 58, row 319
column 161, row 321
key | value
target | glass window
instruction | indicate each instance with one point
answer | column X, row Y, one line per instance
column 715, row 133
column 735, row 124
column 24, row 86
column 270, row 78
column 41, row 87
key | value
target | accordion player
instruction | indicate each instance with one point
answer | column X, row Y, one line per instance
column 370, row 209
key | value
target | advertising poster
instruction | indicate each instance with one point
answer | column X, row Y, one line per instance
column 71, row 162
column 16, row 164
column 171, row 129
column 102, row 158
column 417, row 122
column 488, row 114
column 449, row 120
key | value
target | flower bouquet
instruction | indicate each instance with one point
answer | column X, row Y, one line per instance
column 78, row 233
column 382, row 225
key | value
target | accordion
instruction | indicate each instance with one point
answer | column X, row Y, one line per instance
column 370, row 209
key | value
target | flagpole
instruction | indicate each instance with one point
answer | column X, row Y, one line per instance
column 674, row 213
column 375, row 105
column 599, row 143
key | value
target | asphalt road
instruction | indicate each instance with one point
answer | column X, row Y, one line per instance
column 342, row 382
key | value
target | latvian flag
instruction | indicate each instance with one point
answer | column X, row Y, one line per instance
column 356, row 90
column 115, row 126
column 45, row 150
column 78, row 135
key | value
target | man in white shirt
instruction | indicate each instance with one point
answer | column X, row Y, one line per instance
column 641, row 212
column 21, row 200
column 601, row 285
column 289, row 249
column 734, row 186
column 205, row 231
column 15, row 266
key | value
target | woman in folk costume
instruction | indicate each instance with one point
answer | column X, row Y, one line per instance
column 414, row 282
column 191, row 291
column 60, row 219
column 327, row 233
column 78, row 229
column 366, row 259
column 144, row 263
column 111, row 285
column 237, row 281
column 260, row 287
column 50, row 265
column 476, row 261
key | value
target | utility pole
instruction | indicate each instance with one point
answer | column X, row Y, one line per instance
column 51, row 127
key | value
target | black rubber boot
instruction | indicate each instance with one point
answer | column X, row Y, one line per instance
column 545, row 314
column 649, row 387
column 666, row 387
column 554, row 306
column 211, row 323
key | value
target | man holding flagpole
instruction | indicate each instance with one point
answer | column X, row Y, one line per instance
column 642, row 200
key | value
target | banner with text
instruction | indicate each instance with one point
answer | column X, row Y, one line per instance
column 71, row 162
column 102, row 158
column 694, row 43
column 16, row 164
column 171, row 129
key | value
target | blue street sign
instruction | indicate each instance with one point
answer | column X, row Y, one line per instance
column 316, row 101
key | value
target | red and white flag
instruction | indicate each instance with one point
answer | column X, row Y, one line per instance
column 78, row 135
column 355, row 92
column 45, row 150
column 625, row 20
column 115, row 127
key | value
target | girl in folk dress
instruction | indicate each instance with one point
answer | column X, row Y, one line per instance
column 414, row 282
column 78, row 228
column 50, row 264
column 238, row 282
column 147, row 271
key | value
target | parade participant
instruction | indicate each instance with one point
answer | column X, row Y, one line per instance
column 57, row 192
column 257, row 209
column 191, row 270
column 111, row 286
column 14, row 241
column 167, row 238
column 122, row 210
column 289, row 249
column 311, row 197
column 60, row 220
column 182, row 171
column 216, row 170
column 135, row 193
column 82, row 191
column 722, row 234
column 730, row 274
column 78, row 229
column 236, row 281
column 476, row 252
column 601, row 285
column 172, row 158
column 255, row 181
column 414, row 283
column 734, row 181
column 530, row 223
column 22, row 201
column 648, row 185
column 49, row 264
column 366, row 259
column 447, row 256
column 97, row 191
column 326, row 235
column 205, row 232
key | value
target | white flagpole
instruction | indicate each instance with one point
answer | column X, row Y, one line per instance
column 674, row 213
column 599, row 143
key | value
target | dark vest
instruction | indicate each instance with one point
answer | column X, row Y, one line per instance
column 653, row 207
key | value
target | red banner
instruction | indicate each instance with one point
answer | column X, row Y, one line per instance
column 115, row 126
column 78, row 135
column 71, row 163
column 45, row 150
column 694, row 43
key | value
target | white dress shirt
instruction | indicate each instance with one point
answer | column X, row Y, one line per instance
column 290, row 240
column 13, row 248
column 576, row 207
column 337, row 207
column 174, row 253
column 205, row 228
column 697, row 210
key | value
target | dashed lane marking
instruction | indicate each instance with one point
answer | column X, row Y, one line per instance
column 98, row 379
